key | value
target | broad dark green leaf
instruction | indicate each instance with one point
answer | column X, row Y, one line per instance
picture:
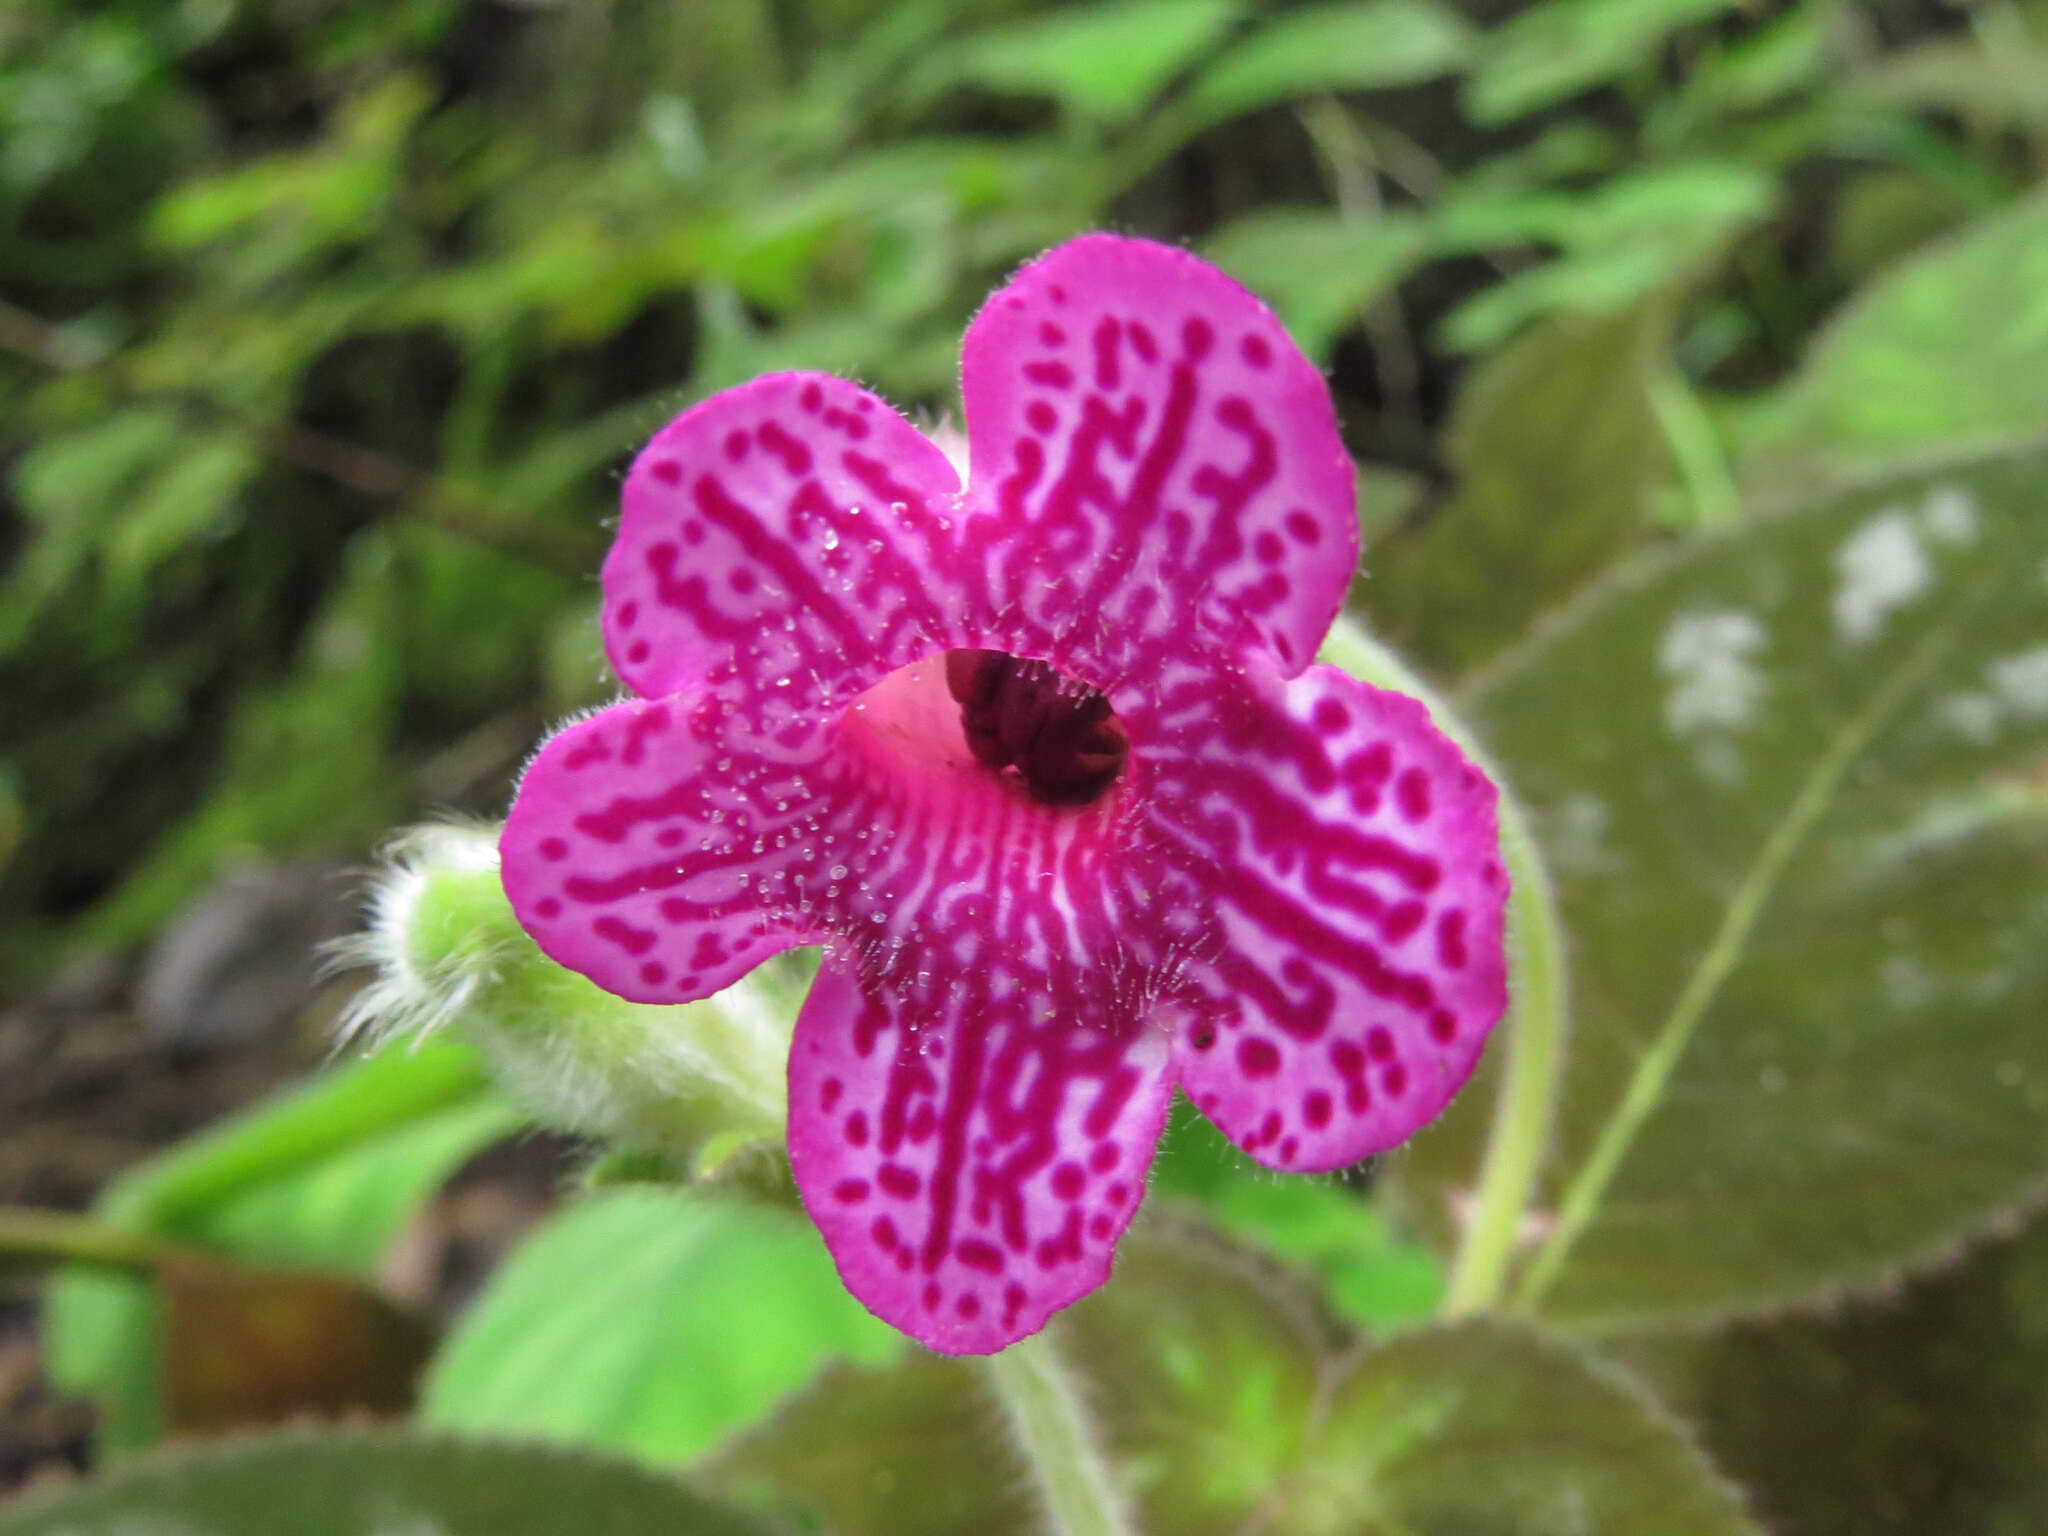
column 1317, row 269
column 1921, row 1411
column 373, row 1483
column 1480, row 1427
column 652, row 1321
column 1227, row 1400
column 324, row 1176
column 1945, row 357
column 1790, row 786
column 916, row 1450
column 1622, row 243
column 1559, row 459
column 1341, row 47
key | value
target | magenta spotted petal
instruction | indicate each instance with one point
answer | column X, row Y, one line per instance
column 1042, row 764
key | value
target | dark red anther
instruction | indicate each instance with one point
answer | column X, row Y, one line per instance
column 1059, row 735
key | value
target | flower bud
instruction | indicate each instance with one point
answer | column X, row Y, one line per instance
column 448, row 954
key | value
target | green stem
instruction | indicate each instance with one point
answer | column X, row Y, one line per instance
column 1654, row 1068
column 1053, row 1433
column 59, row 1237
column 1533, row 1033
column 1701, row 465
column 1529, row 1078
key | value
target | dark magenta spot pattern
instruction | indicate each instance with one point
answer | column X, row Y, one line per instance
column 1288, row 901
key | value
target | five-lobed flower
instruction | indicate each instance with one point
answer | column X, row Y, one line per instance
column 1043, row 765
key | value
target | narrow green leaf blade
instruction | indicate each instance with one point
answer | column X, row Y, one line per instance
column 1554, row 50
column 343, row 1212
column 1343, row 47
column 1317, row 269
column 1102, row 61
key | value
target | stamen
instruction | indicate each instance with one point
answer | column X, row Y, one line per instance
column 1060, row 736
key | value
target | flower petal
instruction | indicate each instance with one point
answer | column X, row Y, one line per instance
column 970, row 1166
column 1349, row 855
column 1150, row 448
column 778, row 532
column 644, row 842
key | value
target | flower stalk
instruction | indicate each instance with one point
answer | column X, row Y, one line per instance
column 1056, row 1438
column 1533, row 1032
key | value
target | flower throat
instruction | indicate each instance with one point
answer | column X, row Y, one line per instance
column 1058, row 735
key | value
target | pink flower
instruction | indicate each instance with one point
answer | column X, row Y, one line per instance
column 1164, row 850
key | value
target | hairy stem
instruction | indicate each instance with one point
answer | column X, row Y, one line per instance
column 1529, row 1077
column 1654, row 1067
column 1056, row 1439
column 1533, row 1034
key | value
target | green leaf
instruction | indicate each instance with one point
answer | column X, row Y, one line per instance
column 308, row 767
column 915, row 1450
column 653, row 1321
column 325, row 1175
column 343, row 1212
column 1636, row 234
column 1943, row 358
column 1369, row 1275
column 1342, row 47
column 1921, row 1411
column 1559, row 48
column 371, row 1483
column 1104, row 61
column 192, row 498
column 73, row 487
column 1993, row 85
column 1480, row 1426
column 1228, row 1401
column 1789, row 782
column 1559, row 461
column 1317, row 269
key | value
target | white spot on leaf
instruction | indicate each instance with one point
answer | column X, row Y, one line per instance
column 1881, row 567
column 1907, row 983
column 1972, row 716
column 1578, row 835
column 1950, row 515
column 2021, row 681
column 1706, row 655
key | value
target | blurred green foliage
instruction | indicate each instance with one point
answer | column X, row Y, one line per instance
column 326, row 319
column 325, row 326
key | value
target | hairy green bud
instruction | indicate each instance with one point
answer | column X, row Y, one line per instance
column 447, row 953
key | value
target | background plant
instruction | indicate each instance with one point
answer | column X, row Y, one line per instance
column 325, row 324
